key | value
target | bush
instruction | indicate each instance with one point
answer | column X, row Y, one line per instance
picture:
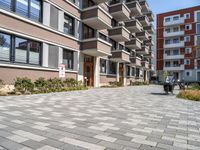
column 42, row 85
column 71, row 82
column 138, row 83
column 195, row 86
column 55, row 85
column 190, row 95
column 1, row 84
column 116, row 84
column 24, row 85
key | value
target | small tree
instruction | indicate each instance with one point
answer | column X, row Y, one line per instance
column 24, row 85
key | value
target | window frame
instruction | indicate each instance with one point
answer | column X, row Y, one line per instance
column 72, row 59
column 101, row 62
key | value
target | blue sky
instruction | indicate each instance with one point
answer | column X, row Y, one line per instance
column 160, row 6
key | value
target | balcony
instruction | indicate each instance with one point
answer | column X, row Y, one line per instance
column 143, row 35
column 120, row 56
column 171, row 34
column 150, row 55
column 133, row 25
column 134, row 43
column 173, row 45
column 145, row 64
column 149, row 42
column 149, row 29
column 135, row 61
column 150, row 15
column 97, row 18
column 174, row 22
column 168, row 57
column 144, row 20
column 174, row 68
column 99, row 1
column 144, row 5
column 135, row 8
column 119, row 34
column 143, row 51
column 119, row 11
column 96, row 47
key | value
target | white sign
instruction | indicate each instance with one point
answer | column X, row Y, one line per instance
column 61, row 71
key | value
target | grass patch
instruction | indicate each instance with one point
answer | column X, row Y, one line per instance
column 190, row 95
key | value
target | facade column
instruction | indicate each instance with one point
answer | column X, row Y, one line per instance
column 80, row 66
column 117, row 71
column 125, row 74
column 60, row 55
column 96, row 71
column 46, row 13
column 45, row 55
column 61, row 21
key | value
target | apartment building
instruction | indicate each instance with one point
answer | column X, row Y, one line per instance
column 98, row 40
column 178, row 44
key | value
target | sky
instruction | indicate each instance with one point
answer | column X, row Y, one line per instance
column 161, row 6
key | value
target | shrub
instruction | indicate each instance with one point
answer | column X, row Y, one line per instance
column 190, row 95
column 71, row 82
column 1, row 84
column 55, row 85
column 42, row 85
column 24, row 85
column 195, row 86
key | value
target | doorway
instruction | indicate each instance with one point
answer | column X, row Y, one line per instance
column 89, row 70
column 121, row 73
column 176, row 76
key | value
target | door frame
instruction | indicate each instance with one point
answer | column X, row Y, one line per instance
column 91, row 65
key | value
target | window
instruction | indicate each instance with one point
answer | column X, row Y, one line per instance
column 198, row 16
column 167, row 64
column 5, row 46
column 114, row 44
column 187, row 16
column 35, row 10
column 68, row 57
column 188, row 50
column 102, row 36
column 114, row 2
column 175, row 29
column 121, row 47
column 188, row 27
column 88, row 32
column 28, row 8
column 167, row 41
column 112, row 67
column 21, row 46
column 137, row 72
column 103, row 66
column 167, row 52
column 73, row 1
column 188, row 73
column 176, row 64
column 128, row 71
column 176, row 52
column 69, row 23
column 187, row 62
column 176, row 40
column 167, row 30
column 198, row 28
column 27, row 51
column 176, row 18
column 22, row 7
column 187, row 38
column 88, row 3
column 167, row 19
column 133, row 71
column 6, row 4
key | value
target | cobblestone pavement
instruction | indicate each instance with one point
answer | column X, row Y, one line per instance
column 127, row 118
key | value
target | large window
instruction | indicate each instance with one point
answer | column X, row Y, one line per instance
column 28, row 8
column 103, row 66
column 19, row 50
column 198, row 28
column 112, row 67
column 6, row 4
column 5, row 45
column 88, row 32
column 198, row 16
column 69, row 24
column 133, row 71
column 68, row 59
column 128, row 71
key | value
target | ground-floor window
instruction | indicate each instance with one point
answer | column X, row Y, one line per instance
column 128, row 71
column 112, row 67
column 137, row 72
column 103, row 66
column 133, row 71
column 68, row 59
column 19, row 50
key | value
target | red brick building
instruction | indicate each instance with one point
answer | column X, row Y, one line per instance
column 178, row 50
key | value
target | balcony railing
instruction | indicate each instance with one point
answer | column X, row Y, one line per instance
column 135, row 8
column 134, row 43
column 135, row 61
column 174, row 22
column 172, row 45
column 133, row 25
column 149, row 29
column 168, row 57
column 174, row 67
column 119, row 34
column 150, row 15
column 144, row 20
column 171, row 34
column 120, row 56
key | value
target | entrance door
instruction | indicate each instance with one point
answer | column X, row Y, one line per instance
column 121, row 73
column 89, row 71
